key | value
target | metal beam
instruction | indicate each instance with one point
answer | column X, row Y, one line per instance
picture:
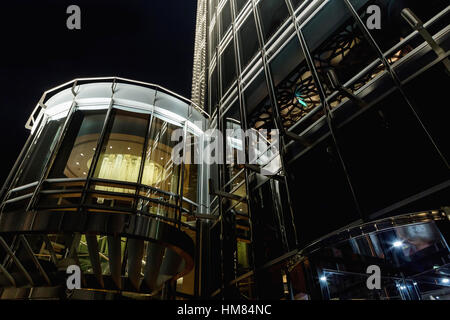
column 34, row 259
column 92, row 244
column 16, row 260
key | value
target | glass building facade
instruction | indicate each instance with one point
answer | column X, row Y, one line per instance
column 363, row 138
column 360, row 177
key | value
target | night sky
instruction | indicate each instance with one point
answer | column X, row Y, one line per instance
column 146, row 40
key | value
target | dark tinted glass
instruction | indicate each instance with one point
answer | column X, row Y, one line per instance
column 77, row 150
column 41, row 152
column 228, row 67
column 239, row 4
column 248, row 41
column 273, row 13
column 214, row 89
column 225, row 15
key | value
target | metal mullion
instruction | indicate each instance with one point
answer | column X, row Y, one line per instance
column 279, row 126
column 325, row 105
column 244, row 127
column 144, row 154
column 217, row 110
column 34, row 259
column 394, row 76
column 181, row 178
column 54, row 152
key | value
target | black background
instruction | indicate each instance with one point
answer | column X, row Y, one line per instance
column 146, row 40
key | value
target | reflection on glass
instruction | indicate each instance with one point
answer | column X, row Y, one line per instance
column 248, row 43
column 42, row 147
column 234, row 141
column 192, row 157
column 273, row 14
column 76, row 152
column 159, row 170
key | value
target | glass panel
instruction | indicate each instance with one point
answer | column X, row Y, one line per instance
column 391, row 27
column 413, row 260
column 258, row 104
column 234, row 141
column 192, row 158
column 121, row 153
column 228, row 65
column 273, row 13
column 159, row 170
column 214, row 90
column 239, row 5
column 213, row 44
column 76, row 152
column 337, row 43
column 296, row 92
column 248, row 41
column 390, row 128
column 212, row 8
column 42, row 147
column 225, row 15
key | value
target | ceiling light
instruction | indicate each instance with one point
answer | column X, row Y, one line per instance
column 397, row 244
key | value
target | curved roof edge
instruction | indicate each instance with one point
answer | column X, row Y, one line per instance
column 75, row 83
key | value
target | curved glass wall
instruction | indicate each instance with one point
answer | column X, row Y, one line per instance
column 101, row 186
column 123, row 150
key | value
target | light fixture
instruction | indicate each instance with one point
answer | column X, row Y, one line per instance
column 445, row 280
column 397, row 244
column 77, row 163
column 82, row 154
column 323, row 278
column 415, row 283
column 129, row 148
column 402, row 287
column 110, row 147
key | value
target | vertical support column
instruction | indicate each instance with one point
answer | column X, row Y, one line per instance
column 279, row 126
column 144, row 156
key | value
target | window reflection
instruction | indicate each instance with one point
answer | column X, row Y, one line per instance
column 42, row 148
column 191, row 167
column 159, row 170
column 76, row 152
column 273, row 14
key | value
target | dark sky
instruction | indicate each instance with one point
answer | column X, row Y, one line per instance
column 146, row 40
